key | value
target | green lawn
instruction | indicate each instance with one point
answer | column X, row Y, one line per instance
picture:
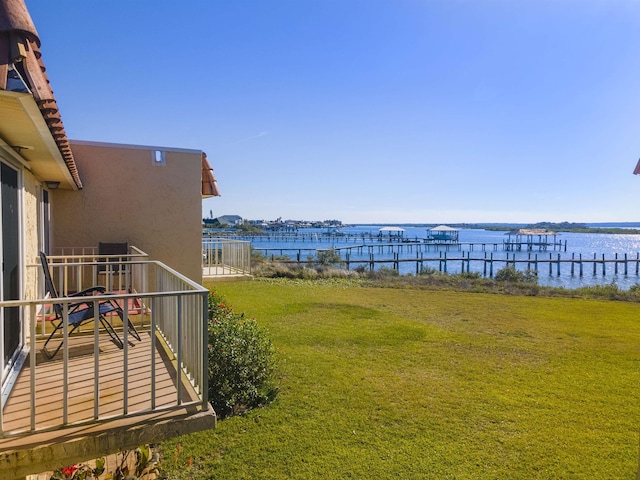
column 385, row 383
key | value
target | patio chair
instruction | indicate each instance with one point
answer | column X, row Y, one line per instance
column 82, row 311
column 113, row 265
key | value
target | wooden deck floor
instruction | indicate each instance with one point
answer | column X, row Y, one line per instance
column 111, row 380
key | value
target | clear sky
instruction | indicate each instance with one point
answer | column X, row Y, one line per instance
column 367, row 111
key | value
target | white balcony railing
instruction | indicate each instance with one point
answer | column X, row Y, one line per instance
column 91, row 379
column 225, row 257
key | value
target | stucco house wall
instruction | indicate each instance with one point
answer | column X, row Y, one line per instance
column 129, row 196
column 31, row 192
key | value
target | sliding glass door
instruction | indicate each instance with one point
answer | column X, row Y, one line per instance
column 10, row 332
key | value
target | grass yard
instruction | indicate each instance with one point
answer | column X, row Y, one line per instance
column 390, row 383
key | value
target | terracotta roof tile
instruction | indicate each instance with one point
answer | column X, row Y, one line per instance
column 14, row 17
column 209, row 184
column 20, row 45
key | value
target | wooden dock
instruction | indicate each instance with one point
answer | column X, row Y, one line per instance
column 519, row 243
column 407, row 247
column 489, row 263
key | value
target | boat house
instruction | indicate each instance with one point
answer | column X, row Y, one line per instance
column 530, row 239
column 444, row 234
column 391, row 232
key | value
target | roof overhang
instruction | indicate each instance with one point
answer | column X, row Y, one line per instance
column 209, row 183
column 443, row 228
column 28, row 135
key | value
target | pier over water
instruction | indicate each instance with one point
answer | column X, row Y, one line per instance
column 560, row 259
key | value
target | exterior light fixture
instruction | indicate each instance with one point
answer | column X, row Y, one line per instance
column 20, row 148
column 51, row 185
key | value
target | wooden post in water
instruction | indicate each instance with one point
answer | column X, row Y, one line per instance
column 491, row 266
column 626, row 267
column 604, row 267
column 484, row 269
column 558, row 264
column 550, row 264
column 594, row 264
column 580, row 264
column 346, row 259
column 573, row 263
column 615, row 264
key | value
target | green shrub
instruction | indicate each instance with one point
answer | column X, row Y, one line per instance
column 634, row 290
column 429, row 271
column 383, row 273
column 470, row 275
column 241, row 361
column 510, row 274
column 611, row 291
column 329, row 257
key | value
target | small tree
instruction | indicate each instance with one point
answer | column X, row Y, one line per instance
column 248, row 228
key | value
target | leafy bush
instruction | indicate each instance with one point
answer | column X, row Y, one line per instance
column 611, row 291
column 329, row 257
column 470, row 275
column 241, row 361
column 383, row 273
column 429, row 271
column 635, row 289
column 142, row 465
column 510, row 274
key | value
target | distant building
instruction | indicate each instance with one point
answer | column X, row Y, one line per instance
column 224, row 221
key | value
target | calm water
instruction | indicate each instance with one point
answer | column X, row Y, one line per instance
column 576, row 244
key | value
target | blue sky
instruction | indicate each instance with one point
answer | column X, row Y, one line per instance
column 425, row 111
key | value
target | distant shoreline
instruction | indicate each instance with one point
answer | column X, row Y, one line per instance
column 613, row 228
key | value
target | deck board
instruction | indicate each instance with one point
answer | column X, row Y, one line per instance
column 49, row 384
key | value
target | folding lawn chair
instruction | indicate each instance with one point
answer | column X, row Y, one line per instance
column 83, row 311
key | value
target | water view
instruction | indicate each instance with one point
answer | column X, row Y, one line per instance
column 475, row 245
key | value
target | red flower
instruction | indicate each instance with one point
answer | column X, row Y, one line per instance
column 68, row 471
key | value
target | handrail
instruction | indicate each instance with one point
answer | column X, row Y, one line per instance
column 221, row 256
column 168, row 304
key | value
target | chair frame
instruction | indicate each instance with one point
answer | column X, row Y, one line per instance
column 81, row 312
column 112, row 265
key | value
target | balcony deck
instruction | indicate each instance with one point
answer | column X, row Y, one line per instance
column 225, row 260
column 103, row 434
column 223, row 273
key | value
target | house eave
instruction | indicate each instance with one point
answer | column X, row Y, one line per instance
column 29, row 135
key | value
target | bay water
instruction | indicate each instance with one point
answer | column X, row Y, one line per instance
column 573, row 245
